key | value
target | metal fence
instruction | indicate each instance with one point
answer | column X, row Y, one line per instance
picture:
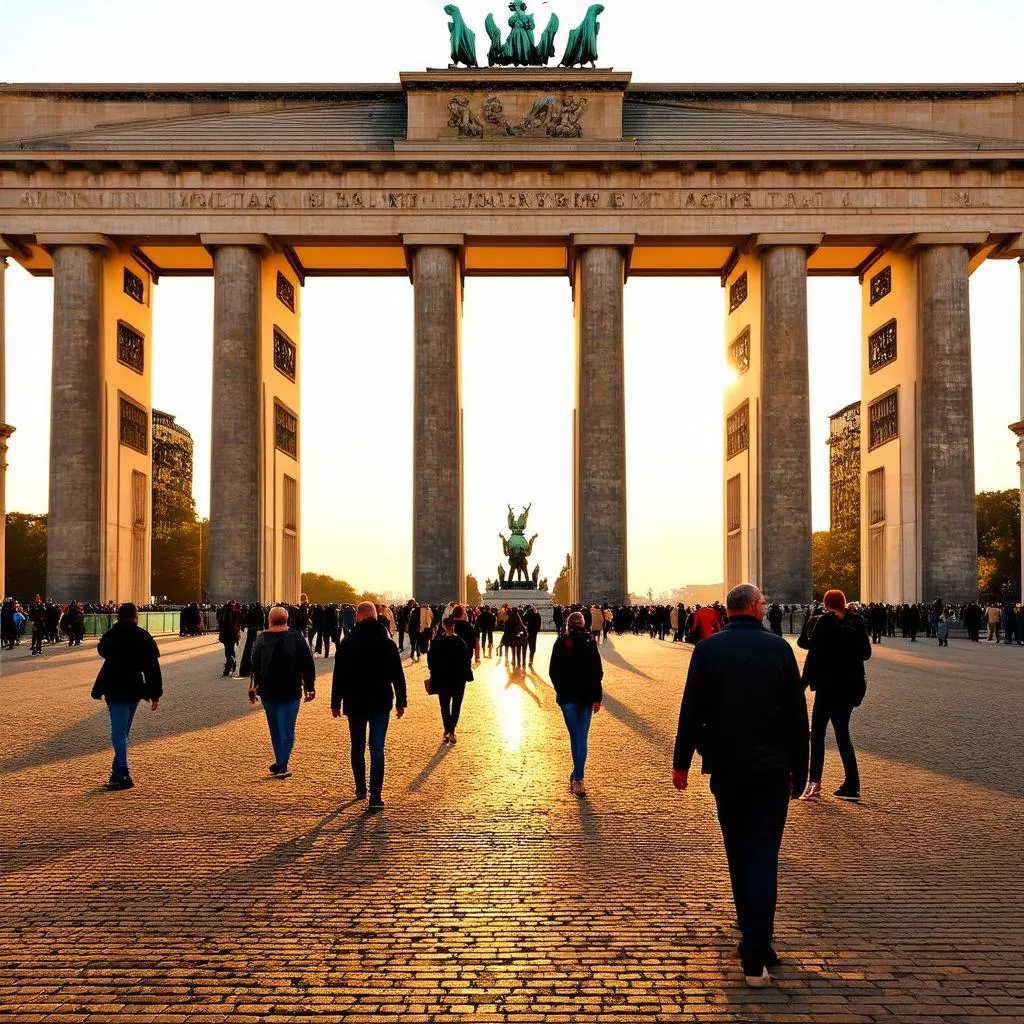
column 157, row 623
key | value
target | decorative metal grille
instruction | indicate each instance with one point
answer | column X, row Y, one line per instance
column 738, row 292
column 844, row 470
column 131, row 347
column 882, row 346
column 880, row 286
column 733, row 504
column 134, row 426
column 284, row 354
column 876, row 496
column 134, row 286
column 739, row 352
column 883, row 420
column 286, row 291
column 286, row 431
column 737, row 431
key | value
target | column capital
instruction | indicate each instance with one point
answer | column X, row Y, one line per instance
column 87, row 239
column 410, row 243
column 964, row 238
column 579, row 243
column 778, row 240
column 254, row 241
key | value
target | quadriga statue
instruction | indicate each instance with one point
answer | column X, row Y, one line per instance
column 517, row 548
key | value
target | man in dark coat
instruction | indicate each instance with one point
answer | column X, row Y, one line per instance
column 130, row 673
column 532, row 621
column 743, row 708
column 368, row 682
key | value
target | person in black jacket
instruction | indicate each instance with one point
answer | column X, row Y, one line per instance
column 130, row 673
column 450, row 669
column 254, row 621
column 368, row 682
column 283, row 675
column 744, row 710
column 575, row 672
column 532, row 621
column 834, row 670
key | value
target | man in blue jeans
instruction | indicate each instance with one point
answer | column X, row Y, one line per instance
column 368, row 682
column 743, row 708
column 130, row 673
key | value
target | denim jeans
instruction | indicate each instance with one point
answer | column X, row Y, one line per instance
column 121, row 715
column 823, row 712
column 378, row 728
column 577, row 721
column 451, row 706
column 281, row 716
column 752, row 819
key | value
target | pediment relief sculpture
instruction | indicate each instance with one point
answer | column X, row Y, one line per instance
column 552, row 116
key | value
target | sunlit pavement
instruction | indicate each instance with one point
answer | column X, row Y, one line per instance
column 485, row 891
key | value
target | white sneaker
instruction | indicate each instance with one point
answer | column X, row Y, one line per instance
column 812, row 792
column 762, row 980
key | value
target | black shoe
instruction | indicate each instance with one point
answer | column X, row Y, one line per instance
column 360, row 794
column 853, row 795
column 273, row 769
column 375, row 804
column 119, row 782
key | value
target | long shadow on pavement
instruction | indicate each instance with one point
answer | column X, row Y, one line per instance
column 417, row 783
column 632, row 720
column 612, row 656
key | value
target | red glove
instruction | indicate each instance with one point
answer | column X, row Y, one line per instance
column 679, row 779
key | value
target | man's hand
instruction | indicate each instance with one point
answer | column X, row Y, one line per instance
column 597, row 706
column 335, row 712
column 308, row 696
column 154, row 704
column 399, row 712
column 679, row 780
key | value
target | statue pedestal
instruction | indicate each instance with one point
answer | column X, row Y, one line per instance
column 540, row 599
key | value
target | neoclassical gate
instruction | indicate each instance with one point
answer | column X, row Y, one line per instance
column 515, row 171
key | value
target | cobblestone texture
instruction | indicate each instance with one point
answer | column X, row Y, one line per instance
column 485, row 891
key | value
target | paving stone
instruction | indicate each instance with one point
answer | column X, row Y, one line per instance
column 485, row 891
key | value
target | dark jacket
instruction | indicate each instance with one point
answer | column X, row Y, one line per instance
column 466, row 633
column 836, row 652
column 282, row 665
column 532, row 621
column 449, row 662
column 131, row 665
column 743, row 709
column 368, row 676
column 576, row 670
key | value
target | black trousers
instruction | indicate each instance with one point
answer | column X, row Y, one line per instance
column 752, row 819
column 451, row 706
column 37, row 639
column 823, row 712
column 487, row 636
column 229, row 656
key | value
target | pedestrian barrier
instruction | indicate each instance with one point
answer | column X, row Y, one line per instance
column 157, row 623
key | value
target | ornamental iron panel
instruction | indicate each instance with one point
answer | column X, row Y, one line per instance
column 737, row 431
column 286, row 291
column 134, row 426
column 134, row 286
column 738, row 292
column 883, row 420
column 882, row 346
column 880, row 285
column 286, row 431
column 130, row 347
column 844, row 470
column 739, row 352
column 284, row 353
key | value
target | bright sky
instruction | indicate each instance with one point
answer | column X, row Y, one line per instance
column 357, row 334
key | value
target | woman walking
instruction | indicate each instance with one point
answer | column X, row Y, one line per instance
column 834, row 670
column 576, row 672
column 449, row 663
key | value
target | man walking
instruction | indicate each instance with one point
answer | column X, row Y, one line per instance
column 368, row 682
column 283, row 675
column 744, row 707
column 130, row 673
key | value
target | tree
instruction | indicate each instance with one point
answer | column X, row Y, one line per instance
column 25, row 555
column 322, row 589
column 835, row 563
column 560, row 591
column 999, row 542
column 181, row 562
column 473, row 596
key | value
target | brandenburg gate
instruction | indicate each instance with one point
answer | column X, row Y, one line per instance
column 514, row 171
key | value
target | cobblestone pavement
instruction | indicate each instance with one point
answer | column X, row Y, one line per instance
column 485, row 891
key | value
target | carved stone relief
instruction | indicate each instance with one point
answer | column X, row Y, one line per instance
column 554, row 116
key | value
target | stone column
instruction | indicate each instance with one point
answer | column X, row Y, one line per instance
column 785, row 428
column 948, row 520
column 76, row 409
column 1018, row 427
column 437, row 467
column 235, row 505
column 600, row 512
column 5, row 433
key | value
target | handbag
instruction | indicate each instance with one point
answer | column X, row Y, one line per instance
column 426, row 686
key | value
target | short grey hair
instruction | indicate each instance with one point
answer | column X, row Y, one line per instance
column 742, row 597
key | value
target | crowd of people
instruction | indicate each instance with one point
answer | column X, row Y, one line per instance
column 743, row 706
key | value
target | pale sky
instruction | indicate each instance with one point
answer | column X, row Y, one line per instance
column 357, row 333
